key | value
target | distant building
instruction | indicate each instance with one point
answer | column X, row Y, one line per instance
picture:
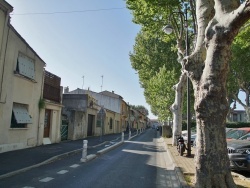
column 237, row 116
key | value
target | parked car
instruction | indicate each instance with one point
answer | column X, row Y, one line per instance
column 239, row 154
column 245, row 137
column 228, row 129
column 237, row 133
column 193, row 136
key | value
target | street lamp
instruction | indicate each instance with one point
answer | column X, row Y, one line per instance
column 168, row 30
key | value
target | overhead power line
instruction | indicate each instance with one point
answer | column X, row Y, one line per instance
column 68, row 12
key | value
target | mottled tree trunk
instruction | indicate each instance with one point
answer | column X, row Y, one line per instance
column 212, row 163
column 218, row 23
column 176, row 108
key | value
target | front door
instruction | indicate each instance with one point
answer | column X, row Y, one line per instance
column 90, row 124
column 47, row 123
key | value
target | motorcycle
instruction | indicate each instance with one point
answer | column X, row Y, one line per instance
column 180, row 145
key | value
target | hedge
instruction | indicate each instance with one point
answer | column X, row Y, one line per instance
column 228, row 125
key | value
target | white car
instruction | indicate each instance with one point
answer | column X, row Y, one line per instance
column 193, row 136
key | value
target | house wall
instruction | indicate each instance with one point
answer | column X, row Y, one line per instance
column 108, row 102
column 107, row 130
column 77, row 127
column 95, row 129
column 77, row 110
column 19, row 90
column 123, row 116
column 55, row 135
column 237, row 116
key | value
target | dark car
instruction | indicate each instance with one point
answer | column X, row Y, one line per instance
column 239, row 154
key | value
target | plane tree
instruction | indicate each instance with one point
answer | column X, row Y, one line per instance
column 218, row 23
column 239, row 77
column 157, row 71
column 153, row 15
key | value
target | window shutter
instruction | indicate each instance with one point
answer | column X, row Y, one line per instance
column 26, row 66
column 21, row 113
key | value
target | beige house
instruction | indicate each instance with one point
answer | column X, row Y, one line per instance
column 124, row 116
column 30, row 97
column 111, row 103
column 50, row 110
column 80, row 111
column 21, row 83
column 112, row 122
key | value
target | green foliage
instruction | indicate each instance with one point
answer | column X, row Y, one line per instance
column 159, row 93
column 41, row 103
column 155, row 52
column 158, row 71
column 237, row 124
column 192, row 124
column 239, row 76
column 140, row 108
column 228, row 125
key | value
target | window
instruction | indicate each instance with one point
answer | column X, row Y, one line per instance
column 235, row 117
column 25, row 66
column 20, row 116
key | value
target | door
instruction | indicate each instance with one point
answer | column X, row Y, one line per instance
column 90, row 124
column 64, row 130
column 47, row 123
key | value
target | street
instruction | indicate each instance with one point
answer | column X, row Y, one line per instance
column 140, row 162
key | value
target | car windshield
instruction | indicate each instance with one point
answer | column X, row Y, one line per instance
column 228, row 134
column 237, row 134
column 245, row 137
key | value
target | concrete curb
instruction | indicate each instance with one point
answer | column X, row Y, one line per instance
column 50, row 160
column 176, row 168
column 89, row 157
column 40, row 164
column 240, row 176
column 105, row 150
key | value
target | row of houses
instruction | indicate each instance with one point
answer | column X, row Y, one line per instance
column 88, row 113
column 34, row 110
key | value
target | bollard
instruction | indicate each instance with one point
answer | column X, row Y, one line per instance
column 84, row 151
column 122, row 136
column 129, row 136
column 137, row 132
column 140, row 131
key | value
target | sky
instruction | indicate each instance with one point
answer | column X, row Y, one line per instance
column 81, row 41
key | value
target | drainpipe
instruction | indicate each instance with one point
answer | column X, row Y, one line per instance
column 4, row 55
column 39, row 114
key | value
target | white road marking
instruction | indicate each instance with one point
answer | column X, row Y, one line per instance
column 74, row 166
column 46, row 179
column 62, row 172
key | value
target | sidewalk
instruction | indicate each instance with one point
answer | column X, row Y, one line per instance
column 186, row 164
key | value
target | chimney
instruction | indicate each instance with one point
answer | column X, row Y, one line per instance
column 66, row 89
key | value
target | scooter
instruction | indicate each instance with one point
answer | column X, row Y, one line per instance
column 180, row 145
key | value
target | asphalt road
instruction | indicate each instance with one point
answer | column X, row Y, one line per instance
column 139, row 163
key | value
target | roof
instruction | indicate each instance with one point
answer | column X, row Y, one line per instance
column 6, row 6
column 111, row 94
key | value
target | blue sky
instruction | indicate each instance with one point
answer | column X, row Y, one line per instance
column 90, row 43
